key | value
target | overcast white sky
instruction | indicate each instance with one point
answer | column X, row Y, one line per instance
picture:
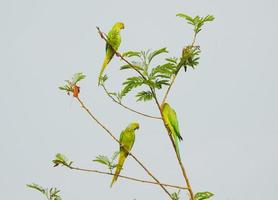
column 227, row 107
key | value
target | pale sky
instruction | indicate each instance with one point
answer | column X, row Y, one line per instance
column 227, row 107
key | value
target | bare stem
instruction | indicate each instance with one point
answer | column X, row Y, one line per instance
column 130, row 153
column 126, row 107
column 169, row 88
column 127, row 177
column 194, row 39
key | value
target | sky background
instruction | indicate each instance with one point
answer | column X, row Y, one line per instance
column 227, row 107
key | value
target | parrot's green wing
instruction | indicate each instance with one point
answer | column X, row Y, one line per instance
column 171, row 119
column 174, row 122
column 127, row 139
column 121, row 137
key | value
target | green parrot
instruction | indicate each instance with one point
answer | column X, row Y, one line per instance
column 114, row 40
column 170, row 116
column 127, row 139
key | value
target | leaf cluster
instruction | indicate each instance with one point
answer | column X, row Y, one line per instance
column 70, row 84
column 152, row 77
column 158, row 76
column 190, row 57
column 51, row 194
column 61, row 159
column 175, row 195
column 109, row 162
column 197, row 22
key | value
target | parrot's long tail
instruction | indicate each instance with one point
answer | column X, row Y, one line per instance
column 104, row 65
column 179, row 136
column 176, row 141
column 120, row 164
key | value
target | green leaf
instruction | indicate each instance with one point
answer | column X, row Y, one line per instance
column 144, row 96
column 203, row 195
column 110, row 163
column 54, row 191
column 115, row 155
column 166, row 69
column 69, row 86
column 113, row 94
column 173, row 60
column 130, row 84
column 37, row 187
column 134, row 81
column 51, row 194
column 102, row 160
column 189, row 19
column 159, row 83
column 197, row 21
column 129, row 67
column 208, row 18
column 78, row 77
column 61, row 159
column 104, row 78
column 66, row 88
column 163, row 76
column 175, row 195
column 54, row 194
column 131, row 54
column 156, row 53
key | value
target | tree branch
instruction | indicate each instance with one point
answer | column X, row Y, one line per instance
column 126, row 107
column 130, row 153
column 179, row 161
column 169, row 88
column 127, row 177
column 175, row 75
column 160, row 109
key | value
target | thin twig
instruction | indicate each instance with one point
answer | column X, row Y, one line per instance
column 127, row 177
column 175, row 75
column 130, row 153
column 126, row 107
column 194, row 39
column 168, row 89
